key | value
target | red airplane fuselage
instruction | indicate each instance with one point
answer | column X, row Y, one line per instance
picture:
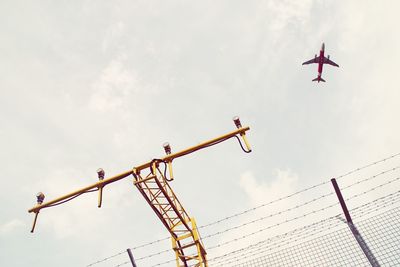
column 321, row 61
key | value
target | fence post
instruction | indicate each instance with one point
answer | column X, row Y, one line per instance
column 360, row 240
column 131, row 257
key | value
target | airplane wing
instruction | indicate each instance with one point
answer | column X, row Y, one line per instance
column 314, row 60
column 330, row 62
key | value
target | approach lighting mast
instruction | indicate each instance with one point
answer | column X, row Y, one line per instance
column 152, row 181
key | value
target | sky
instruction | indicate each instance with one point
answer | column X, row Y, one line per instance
column 89, row 84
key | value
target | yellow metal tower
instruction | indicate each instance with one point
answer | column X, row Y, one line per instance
column 152, row 181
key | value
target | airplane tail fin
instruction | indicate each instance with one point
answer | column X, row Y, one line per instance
column 318, row 80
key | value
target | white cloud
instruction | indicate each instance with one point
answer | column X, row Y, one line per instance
column 259, row 193
column 11, row 226
column 286, row 12
column 285, row 182
column 113, row 35
column 111, row 90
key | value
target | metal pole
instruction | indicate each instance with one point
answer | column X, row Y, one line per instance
column 360, row 240
column 131, row 257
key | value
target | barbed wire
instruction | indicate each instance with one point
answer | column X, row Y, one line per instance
column 301, row 216
column 272, row 226
column 153, row 255
column 107, row 258
column 295, row 237
column 163, row 263
column 264, row 251
column 245, row 224
column 122, row 264
column 272, row 215
column 308, row 202
column 304, row 228
column 151, row 243
column 237, row 214
column 384, row 202
column 261, row 206
column 368, row 165
column 375, row 205
column 321, row 197
column 282, row 212
column 371, row 177
column 373, row 188
column 269, row 216
column 380, row 203
column 246, row 256
column 285, row 197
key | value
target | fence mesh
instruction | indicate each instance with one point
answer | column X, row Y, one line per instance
column 339, row 248
column 382, row 234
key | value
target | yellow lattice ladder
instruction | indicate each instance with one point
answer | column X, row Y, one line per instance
column 161, row 198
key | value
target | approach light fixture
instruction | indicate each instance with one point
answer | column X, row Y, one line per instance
column 237, row 122
column 100, row 173
column 167, row 148
column 40, row 198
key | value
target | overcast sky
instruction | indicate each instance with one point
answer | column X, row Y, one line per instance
column 89, row 84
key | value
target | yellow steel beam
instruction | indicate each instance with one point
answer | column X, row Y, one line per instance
column 240, row 131
column 100, row 184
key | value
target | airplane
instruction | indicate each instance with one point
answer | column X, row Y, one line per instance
column 321, row 60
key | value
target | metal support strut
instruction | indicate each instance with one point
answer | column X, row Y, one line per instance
column 360, row 240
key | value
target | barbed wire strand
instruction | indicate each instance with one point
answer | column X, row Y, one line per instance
column 371, row 177
column 353, row 211
column 375, row 205
column 374, row 188
column 299, row 235
column 107, row 258
column 306, row 203
column 303, row 215
column 272, row 238
column 274, row 214
column 265, row 250
column 279, row 199
column 245, row 224
column 368, row 165
column 121, row 264
column 269, row 216
column 262, row 205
